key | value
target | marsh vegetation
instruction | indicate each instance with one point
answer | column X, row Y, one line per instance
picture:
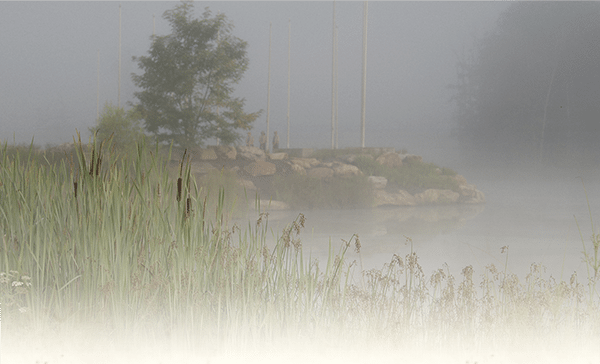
column 117, row 244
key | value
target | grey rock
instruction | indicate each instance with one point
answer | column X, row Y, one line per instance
column 306, row 162
column 260, row 168
column 320, row 172
column 278, row 156
column 346, row 170
column 226, row 152
column 297, row 169
column 378, row 182
column 436, row 196
column 399, row 198
column 251, row 154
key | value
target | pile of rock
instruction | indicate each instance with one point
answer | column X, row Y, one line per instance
column 468, row 193
column 252, row 163
column 398, row 197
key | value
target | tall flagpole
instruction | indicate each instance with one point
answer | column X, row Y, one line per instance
column 333, row 83
column 364, row 77
column 98, row 90
column 289, row 79
column 337, row 113
column 119, row 88
column 269, row 87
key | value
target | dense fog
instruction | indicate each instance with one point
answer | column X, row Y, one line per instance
column 505, row 94
column 49, row 67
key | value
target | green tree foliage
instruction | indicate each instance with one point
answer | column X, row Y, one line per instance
column 530, row 88
column 188, row 78
column 123, row 126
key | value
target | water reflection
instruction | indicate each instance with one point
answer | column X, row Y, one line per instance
column 534, row 217
column 382, row 232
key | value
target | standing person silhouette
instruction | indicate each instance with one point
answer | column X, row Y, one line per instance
column 275, row 141
column 263, row 141
column 250, row 140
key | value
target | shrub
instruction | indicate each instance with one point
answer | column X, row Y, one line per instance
column 410, row 176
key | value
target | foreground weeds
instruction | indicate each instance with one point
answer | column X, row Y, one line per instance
column 117, row 245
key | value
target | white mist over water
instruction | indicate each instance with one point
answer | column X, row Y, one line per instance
column 534, row 216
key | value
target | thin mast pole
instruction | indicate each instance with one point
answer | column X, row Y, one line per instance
column 337, row 111
column 218, row 110
column 289, row 80
column 333, row 82
column 153, row 26
column 269, row 86
column 98, row 89
column 364, row 77
column 119, row 87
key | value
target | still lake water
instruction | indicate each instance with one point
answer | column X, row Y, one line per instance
column 533, row 215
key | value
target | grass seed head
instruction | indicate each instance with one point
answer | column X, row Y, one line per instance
column 357, row 245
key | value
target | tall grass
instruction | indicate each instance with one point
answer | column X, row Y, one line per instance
column 590, row 253
column 118, row 244
column 116, row 241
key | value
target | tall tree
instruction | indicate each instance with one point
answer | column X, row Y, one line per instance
column 188, row 78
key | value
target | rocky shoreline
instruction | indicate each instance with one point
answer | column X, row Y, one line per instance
column 256, row 169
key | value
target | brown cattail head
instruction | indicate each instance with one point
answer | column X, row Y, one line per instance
column 92, row 162
column 75, row 188
column 179, row 180
column 188, row 206
column 98, row 164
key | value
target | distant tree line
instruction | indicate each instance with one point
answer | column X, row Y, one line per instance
column 530, row 89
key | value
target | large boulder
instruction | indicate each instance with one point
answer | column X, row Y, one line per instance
column 278, row 156
column 252, row 154
column 260, row 168
column 467, row 190
column 478, row 198
column 226, row 152
column 306, row 162
column 378, row 182
column 399, row 198
column 411, row 158
column 297, row 169
column 320, row 172
column 390, row 159
column 435, row 196
column 460, row 179
column 470, row 194
column 346, row 170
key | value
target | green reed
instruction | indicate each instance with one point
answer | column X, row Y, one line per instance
column 120, row 243
column 117, row 241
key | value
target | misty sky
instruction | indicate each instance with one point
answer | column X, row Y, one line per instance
column 49, row 60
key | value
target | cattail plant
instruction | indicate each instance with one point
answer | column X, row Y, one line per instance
column 137, row 251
